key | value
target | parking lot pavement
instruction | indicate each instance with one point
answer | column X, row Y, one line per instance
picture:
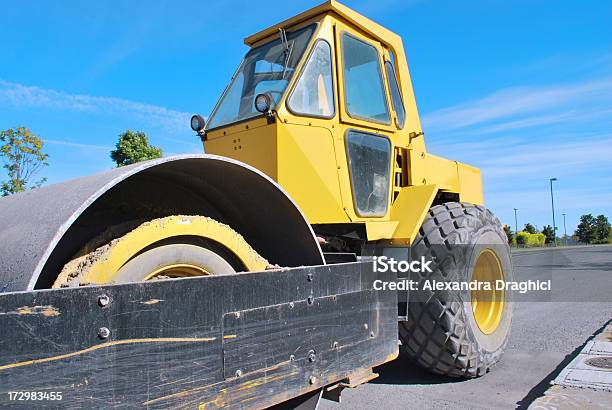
column 546, row 337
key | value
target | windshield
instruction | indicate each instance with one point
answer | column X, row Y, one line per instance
column 267, row 68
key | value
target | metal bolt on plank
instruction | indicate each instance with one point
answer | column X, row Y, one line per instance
column 103, row 300
column 103, row 332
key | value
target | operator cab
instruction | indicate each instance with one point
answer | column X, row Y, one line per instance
column 323, row 104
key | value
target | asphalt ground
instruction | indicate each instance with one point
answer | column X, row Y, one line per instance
column 548, row 331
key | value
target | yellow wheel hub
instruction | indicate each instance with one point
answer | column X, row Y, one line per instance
column 101, row 265
column 177, row 271
column 488, row 304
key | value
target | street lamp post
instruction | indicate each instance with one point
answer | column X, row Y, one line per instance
column 565, row 229
column 515, row 225
column 552, row 202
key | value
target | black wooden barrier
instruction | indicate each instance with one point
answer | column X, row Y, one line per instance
column 242, row 341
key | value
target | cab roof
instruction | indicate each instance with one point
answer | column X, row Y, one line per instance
column 352, row 17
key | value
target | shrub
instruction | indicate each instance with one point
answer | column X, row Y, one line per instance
column 539, row 239
column 527, row 239
column 521, row 238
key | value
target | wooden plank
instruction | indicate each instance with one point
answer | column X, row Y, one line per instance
column 223, row 341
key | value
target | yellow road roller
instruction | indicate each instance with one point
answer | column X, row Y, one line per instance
column 243, row 277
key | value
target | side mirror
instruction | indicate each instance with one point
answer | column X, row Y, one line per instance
column 197, row 123
column 413, row 135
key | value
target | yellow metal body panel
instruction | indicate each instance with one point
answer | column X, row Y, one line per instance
column 300, row 157
column 307, row 170
column 255, row 145
column 470, row 184
column 308, row 155
column 442, row 172
column 410, row 209
column 380, row 229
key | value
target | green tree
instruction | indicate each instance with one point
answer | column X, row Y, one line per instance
column 529, row 228
column 586, row 230
column 133, row 147
column 23, row 157
column 603, row 228
column 548, row 233
column 509, row 234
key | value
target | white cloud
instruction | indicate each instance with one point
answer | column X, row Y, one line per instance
column 509, row 103
column 78, row 144
column 521, row 136
column 19, row 95
column 537, row 158
column 546, row 119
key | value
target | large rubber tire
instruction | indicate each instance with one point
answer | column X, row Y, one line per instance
column 441, row 333
column 171, row 247
column 170, row 254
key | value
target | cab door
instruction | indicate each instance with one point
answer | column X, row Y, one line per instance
column 367, row 122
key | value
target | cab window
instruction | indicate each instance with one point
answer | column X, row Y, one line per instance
column 363, row 81
column 265, row 69
column 313, row 94
column 396, row 96
column 369, row 158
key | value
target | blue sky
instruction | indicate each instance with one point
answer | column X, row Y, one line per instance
column 521, row 89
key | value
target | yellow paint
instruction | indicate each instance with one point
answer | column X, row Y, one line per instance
column 105, row 345
column 248, row 385
column 488, row 304
column 307, row 155
column 46, row 310
column 256, row 146
column 410, row 209
column 178, row 270
column 307, row 170
column 380, row 229
column 446, row 176
column 104, row 269
column 392, row 356
column 470, row 184
column 222, row 392
column 152, row 301
column 235, row 128
column 217, row 403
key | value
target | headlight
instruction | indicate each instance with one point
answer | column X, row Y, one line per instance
column 263, row 102
column 197, row 123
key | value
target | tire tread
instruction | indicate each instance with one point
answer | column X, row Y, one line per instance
column 435, row 334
